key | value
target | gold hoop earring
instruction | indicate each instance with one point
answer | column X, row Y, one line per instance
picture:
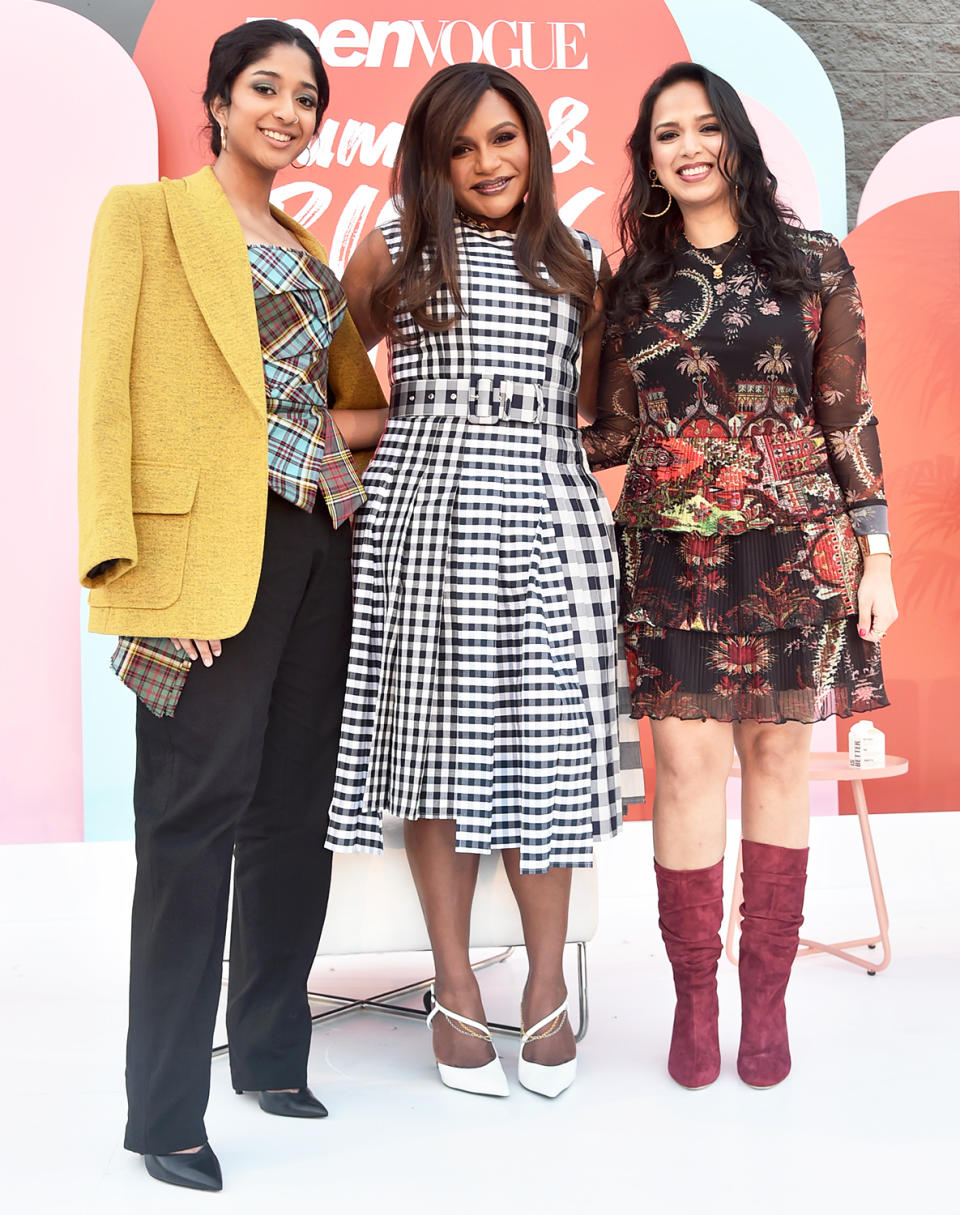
column 658, row 185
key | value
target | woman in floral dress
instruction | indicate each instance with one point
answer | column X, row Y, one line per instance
column 754, row 545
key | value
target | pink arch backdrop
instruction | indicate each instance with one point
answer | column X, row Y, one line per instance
column 66, row 747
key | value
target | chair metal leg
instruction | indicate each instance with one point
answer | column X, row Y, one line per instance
column 582, row 999
column 383, row 1002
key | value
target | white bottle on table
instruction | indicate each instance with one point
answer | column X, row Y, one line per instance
column 867, row 746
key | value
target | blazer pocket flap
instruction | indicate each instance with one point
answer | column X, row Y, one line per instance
column 162, row 489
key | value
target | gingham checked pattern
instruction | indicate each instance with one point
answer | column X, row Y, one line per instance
column 300, row 305
column 482, row 679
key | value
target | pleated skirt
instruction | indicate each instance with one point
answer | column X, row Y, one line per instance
column 755, row 627
column 482, row 677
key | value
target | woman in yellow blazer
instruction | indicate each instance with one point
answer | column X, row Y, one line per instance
column 215, row 491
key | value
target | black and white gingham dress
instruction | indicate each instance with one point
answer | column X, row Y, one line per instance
column 482, row 679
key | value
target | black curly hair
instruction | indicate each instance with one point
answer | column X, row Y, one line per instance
column 650, row 245
column 243, row 45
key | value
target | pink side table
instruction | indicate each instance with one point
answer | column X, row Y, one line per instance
column 834, row 765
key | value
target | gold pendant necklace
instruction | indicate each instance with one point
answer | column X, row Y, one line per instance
column 717, row 267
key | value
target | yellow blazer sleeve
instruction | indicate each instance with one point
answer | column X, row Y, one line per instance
column 110, row 313
column 351, row 381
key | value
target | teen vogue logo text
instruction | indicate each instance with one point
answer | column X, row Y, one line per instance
column 342, row 174
column 539, row 46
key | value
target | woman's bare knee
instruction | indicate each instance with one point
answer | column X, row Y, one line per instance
column 693, row 762
column 776, row 754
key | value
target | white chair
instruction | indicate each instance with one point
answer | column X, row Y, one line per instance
column 374, row 909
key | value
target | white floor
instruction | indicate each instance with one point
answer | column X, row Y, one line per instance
column 868, row 1121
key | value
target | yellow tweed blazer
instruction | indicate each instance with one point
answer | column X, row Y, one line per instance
column 173, row 424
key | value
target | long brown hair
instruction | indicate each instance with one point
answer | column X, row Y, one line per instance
column 423, row 194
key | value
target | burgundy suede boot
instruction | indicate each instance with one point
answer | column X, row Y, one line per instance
column 691, row 910
column 772, row 910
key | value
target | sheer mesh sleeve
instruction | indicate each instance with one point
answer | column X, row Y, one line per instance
column 609, row 439
column 841, row 398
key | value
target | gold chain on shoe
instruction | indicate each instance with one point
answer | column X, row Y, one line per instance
column 465, row 1029
column 547, row 1033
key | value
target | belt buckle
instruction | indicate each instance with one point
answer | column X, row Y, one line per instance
column 523, row 404
column 486, row 409
column 538, row 404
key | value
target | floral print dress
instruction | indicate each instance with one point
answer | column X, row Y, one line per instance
column 753, row 463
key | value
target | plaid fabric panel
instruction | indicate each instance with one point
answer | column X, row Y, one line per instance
column 340, row 482
column 154, row 669
column 300, row 305
column 306, row 452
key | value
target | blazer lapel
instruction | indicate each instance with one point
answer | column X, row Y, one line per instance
column 213, row 253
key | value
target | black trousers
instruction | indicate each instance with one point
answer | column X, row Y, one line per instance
column 243, row 771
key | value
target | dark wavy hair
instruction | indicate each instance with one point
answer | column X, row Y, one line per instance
column 650, row 245
column 238, row 48
column 421, row 188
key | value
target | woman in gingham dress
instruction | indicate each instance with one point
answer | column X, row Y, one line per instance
column 481, row 689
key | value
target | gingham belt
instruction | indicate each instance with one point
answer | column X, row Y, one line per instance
column 483, row 400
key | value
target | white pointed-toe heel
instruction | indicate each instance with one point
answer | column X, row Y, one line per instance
column 547, row 1080
column 490, row 1080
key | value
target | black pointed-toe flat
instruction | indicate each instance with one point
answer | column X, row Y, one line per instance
column 195, row 1170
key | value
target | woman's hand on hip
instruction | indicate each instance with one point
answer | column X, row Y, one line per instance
column 875, row 598
column 206, row 651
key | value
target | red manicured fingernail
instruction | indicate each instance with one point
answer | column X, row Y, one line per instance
column 863, row 632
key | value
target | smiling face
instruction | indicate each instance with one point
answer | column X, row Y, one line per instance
column 272, row 113
column 490, row 162
column 687, row 147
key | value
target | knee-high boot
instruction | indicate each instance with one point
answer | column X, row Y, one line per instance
column 691, row 910
column 773, row 883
